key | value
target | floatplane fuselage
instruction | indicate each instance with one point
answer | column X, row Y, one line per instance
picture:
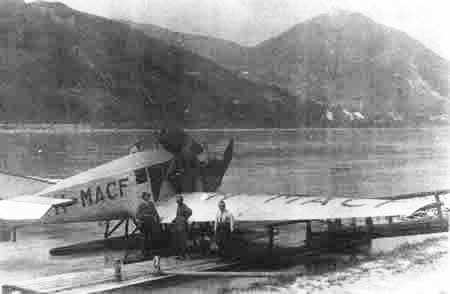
column 113, row 191
column 110, row 191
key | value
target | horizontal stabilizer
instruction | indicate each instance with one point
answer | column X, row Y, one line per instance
column 15, row 184
column 24, row 210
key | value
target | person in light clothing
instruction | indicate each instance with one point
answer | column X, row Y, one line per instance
column 223, row 228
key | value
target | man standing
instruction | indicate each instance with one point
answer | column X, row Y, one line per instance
column 148, row 220
column 137, row 147
column 180, row 225
column 223, row 227
column 185, row 149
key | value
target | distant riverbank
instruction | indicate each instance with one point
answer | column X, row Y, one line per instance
column 87, row 128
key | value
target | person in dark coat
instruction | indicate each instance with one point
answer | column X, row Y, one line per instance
column 177, row 141
column 223, row 228
column 180, row 228
column 185, row 150
column 149, row 223
column 137, row 147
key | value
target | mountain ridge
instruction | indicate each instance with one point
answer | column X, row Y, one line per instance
column 73, row 67
column 80, row 68
column 319, row 58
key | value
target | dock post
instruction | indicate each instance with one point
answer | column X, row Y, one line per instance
column 369, row 224
column 127, row 226
column 308, row 234
column 338, row 223
column 330, row 233
column 106, row 235
column 330, row 226
column 354, row 224
column 14, row 235
column 271, row 237
column 390, row 220
column 118, row 270
column 156, row 265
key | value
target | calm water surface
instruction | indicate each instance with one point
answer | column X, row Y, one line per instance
column 334, row 162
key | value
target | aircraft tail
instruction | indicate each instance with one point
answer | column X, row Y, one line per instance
column 25, row 210
column 13, row 184
column 214, row 171
column 190, row 174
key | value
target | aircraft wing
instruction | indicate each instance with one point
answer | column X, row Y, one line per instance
column 415, row 195
column 14, row 184
column 285, row 208
column 25, row 210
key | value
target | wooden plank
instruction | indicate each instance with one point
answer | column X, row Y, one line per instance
column 103, row 274
column 233, row 274
column 9, row 289
column 104, row 279
column 63, row 281
column 140, row 280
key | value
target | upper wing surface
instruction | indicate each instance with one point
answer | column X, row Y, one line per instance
column 282, row 208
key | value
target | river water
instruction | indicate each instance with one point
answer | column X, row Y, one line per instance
column 331, row 162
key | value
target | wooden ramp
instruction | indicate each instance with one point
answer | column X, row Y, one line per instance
column 101, row 281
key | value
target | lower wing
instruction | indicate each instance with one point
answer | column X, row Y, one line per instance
column 285, row 208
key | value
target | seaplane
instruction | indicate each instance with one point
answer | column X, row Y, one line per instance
column 113, row 191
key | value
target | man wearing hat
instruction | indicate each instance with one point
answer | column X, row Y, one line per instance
column 180, row 228
column 148, row 220
column 136, row 147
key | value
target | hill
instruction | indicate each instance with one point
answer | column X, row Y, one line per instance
column 349, row 60
column 354, row 67
column 226, row 53
column 61, row 65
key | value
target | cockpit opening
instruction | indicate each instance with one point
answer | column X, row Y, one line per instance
column 186, row 172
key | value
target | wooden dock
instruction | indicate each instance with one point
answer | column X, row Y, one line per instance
column 104, row 280
column 337, row 237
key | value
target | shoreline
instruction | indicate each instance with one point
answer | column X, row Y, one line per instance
column 85, row 128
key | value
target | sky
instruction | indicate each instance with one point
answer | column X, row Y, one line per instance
column 249, row 22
